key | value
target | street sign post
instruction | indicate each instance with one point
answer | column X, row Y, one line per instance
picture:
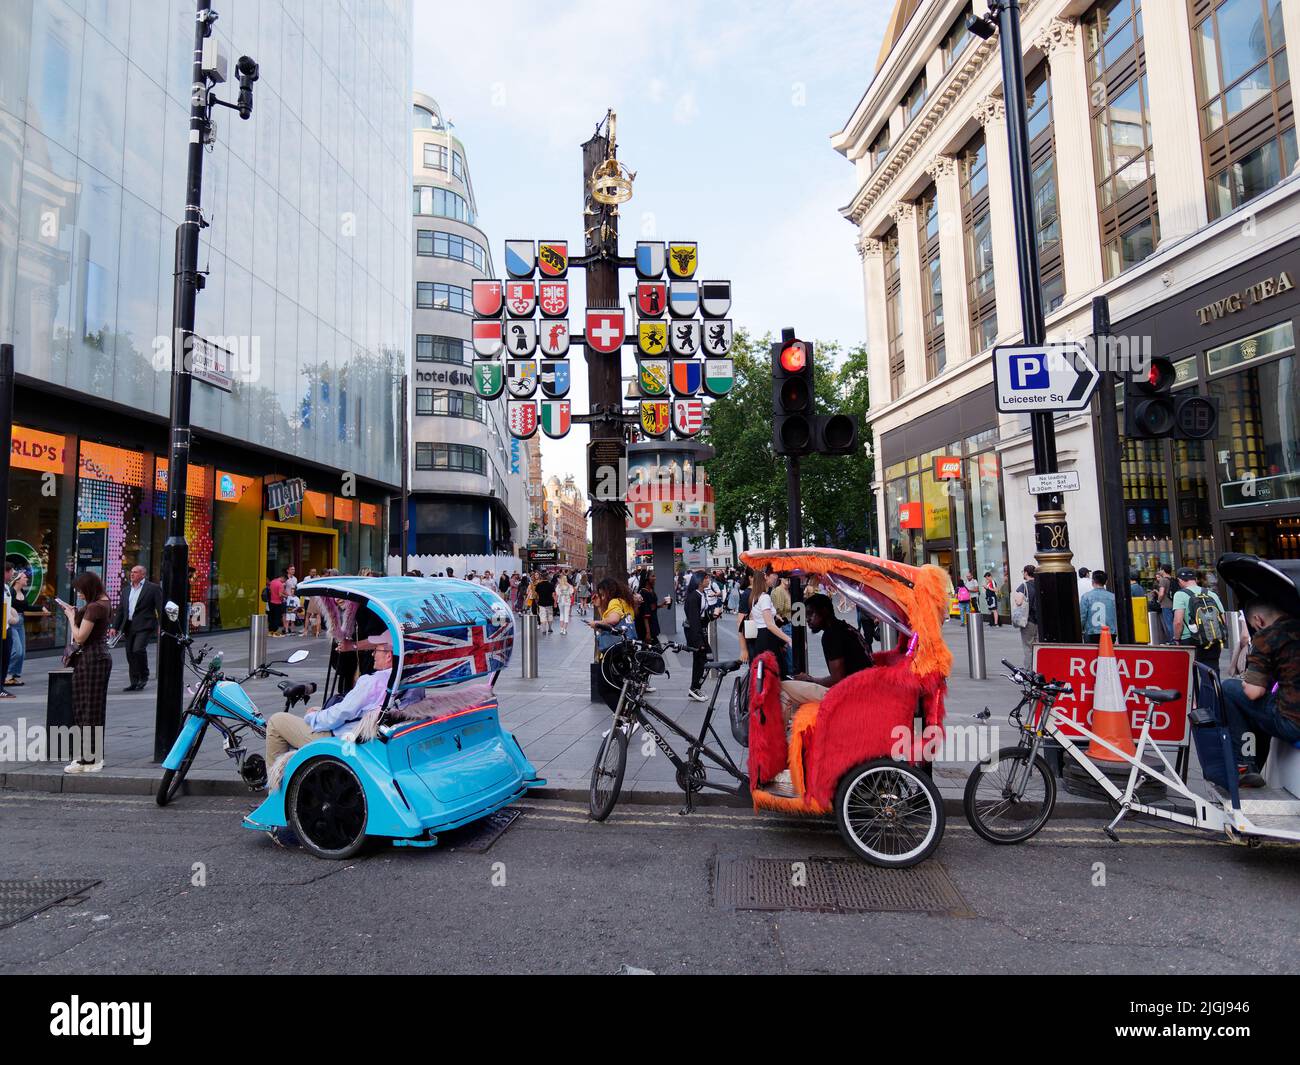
column 1040, row 484
column 1043, row 377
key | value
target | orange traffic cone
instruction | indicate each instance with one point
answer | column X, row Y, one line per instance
column 1110, row 718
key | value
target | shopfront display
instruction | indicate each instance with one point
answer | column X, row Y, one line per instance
column 42, row 504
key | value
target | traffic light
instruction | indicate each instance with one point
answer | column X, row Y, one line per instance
column 835, row 434
column 792, row 395
column 1152, row 411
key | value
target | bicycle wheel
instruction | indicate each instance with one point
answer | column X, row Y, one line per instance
column 992, row 806
column 173, row 778
column 607, row 773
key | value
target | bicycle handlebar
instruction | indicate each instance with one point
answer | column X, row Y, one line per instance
column 1027, row 678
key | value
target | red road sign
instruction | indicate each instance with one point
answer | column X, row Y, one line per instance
column 1139, row 667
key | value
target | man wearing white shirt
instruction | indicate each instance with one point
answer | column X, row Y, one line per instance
column 138, row 611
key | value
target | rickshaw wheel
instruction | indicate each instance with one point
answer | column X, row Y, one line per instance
column 889, row 813
column 172, row 779
column 327, row 809
column 607, row 773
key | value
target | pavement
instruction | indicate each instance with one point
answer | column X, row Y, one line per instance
column 552, row 716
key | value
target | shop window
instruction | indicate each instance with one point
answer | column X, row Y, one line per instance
column 1146, row 507
column 1258, row 443
column 1047, row 214
column 40, row 520
column 1273, row 341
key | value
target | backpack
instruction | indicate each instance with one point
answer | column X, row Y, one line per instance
column 1207, row 624
column 266, row 594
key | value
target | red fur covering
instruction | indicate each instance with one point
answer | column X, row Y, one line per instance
column 768, row 753
column 860, row 718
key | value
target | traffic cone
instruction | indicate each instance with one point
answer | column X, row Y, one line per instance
column 1110, row 718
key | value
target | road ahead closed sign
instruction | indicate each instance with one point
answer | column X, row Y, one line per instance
column 1045, row 377
column 1139, row 667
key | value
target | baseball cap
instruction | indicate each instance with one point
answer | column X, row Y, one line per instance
column 1186, row 573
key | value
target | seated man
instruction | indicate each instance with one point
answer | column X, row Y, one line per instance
column 288, row 732
column 842, row 647
column 1266, row 697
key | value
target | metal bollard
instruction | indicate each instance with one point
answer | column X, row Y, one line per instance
column 1156, row 625
column 713, row 638
column 888, row 636
column 528, row 646
column 256, row 640
column 975, row 646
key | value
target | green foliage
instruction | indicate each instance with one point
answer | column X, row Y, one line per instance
column 749, row 480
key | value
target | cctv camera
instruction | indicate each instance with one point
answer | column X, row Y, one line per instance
column 247, row 69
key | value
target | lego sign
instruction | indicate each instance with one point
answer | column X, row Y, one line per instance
column 910, row 516
column 947, row 468
column 1139, row 667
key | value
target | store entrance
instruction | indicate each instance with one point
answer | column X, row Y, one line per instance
column 303, row 547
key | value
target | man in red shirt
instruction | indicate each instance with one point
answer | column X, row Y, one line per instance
column 275, row 605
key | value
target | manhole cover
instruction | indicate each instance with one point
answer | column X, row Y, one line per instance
column 834, row 885
column 479, row 836
column 20, row 899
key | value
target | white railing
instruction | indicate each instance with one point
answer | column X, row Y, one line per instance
column 436, row 565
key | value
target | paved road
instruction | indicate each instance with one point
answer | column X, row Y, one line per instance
column 584, row 898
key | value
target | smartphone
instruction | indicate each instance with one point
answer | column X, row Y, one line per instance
column 60, row 602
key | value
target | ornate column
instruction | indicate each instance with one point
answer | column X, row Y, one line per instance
column 909, row 293
column 1175, row 128
column 872, row 254
column 991, row 113
column 952, row 258
column 1076, row 188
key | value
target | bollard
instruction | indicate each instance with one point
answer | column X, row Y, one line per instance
column 256, row 641
column 528, row 646
column 975, row 645
column 888, row 636
column 1156, row 625
column 713, row 639
column 58, row 714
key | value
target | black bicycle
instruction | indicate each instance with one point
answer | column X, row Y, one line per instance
column 630, row 665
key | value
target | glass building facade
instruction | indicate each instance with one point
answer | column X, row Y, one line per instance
column 306, row 263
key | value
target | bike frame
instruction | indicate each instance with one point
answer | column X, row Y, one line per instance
column 632, row 704
column 1047, row 723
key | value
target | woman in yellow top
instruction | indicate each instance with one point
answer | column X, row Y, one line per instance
column 613, row 605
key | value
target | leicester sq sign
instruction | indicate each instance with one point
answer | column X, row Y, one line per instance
column 681, row 336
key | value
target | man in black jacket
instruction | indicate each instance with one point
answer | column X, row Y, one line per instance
column 138, row 613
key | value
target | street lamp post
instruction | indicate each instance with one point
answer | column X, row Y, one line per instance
column 1058, row 589
column 207, row 69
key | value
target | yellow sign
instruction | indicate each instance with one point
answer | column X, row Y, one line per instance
column 682, row 259
column 652, row 337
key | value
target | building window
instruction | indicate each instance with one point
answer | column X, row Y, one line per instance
column 435, row 157
column 927, row 213
column 426, row 119
column 894, row 316
column 880, row 146
column 441, row 202
column 1121, row 134
column 455, row 458
column 1042, row 164
column 914, row 97
column 1242, row 84
column 978, row 227
column 451, row 246
column 434, row 296
column 957, row 39
column 442, row 349
column 450, row 403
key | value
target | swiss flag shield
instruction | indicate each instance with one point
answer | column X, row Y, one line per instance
column 604, row 330
column 643, row 514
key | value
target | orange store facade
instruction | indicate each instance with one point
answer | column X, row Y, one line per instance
column 83, row 496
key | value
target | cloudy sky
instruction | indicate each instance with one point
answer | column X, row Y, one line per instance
column 725, row 110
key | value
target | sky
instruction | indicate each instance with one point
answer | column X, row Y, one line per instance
column 725, row 112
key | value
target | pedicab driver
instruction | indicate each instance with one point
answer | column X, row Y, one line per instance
column 842, row 647
column 288, row 732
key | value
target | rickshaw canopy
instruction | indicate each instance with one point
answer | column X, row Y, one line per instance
column 914, row 599
column 445, row 631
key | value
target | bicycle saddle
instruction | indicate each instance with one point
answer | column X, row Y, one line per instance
column 724, row 667
column 1158, row 695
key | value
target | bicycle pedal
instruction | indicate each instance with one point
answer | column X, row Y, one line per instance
column 1111, row 834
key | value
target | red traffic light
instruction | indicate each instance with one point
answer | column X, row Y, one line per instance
column 794, row 357
column 1160, row 376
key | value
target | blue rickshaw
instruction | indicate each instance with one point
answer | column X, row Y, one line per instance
column 433, row 756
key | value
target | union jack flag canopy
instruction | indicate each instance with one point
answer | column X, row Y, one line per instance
column 448, row 656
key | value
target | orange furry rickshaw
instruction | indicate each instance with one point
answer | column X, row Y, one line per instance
column 858, row 753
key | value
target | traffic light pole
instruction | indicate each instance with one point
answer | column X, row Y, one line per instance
column 1058, row 589
column 794, row 537
column 1109, row 453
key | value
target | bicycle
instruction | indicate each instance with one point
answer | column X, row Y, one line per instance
column 632, row 663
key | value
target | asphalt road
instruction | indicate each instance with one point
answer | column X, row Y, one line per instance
column 186, row 889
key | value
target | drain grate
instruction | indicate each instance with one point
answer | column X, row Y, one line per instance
column 834, row 885
column 479, row 836
column 20, row 899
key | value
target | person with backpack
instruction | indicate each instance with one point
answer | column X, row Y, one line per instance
column 1198, row 620
column 1164, row 598
column 1024, row 612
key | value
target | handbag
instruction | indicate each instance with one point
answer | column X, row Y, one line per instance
column 70, row 653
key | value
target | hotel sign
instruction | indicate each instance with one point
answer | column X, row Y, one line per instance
column 1246, row 297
